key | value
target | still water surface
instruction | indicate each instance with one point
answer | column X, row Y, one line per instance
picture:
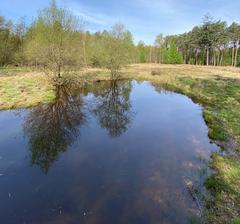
column 104, row 154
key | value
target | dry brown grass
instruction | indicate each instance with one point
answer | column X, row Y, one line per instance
column 185, row 70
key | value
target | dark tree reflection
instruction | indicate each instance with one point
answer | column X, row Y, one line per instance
column 51, row 128
column 113, row 107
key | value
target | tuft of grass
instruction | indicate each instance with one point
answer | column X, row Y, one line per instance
column 224, row 184
column 215, row 132
column 227, row 176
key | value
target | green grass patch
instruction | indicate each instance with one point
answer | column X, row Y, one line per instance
column 227, row 176
column 215, row 132
column 14, row 70
column 224, row 184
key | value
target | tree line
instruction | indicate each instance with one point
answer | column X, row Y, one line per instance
column 57, row 42
column 211, row 43
column 11, row 41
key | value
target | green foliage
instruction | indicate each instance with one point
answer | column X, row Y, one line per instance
column 211, row 43
column 9, row 42
column 172, row 56
column 56, row 42
column 236, row 221
column 142, row 52
column 52, row 41
column 112, row 50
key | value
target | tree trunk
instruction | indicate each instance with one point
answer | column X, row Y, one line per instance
column 196, row 57
column 59, row 71
column 236, row 54
column 150, row 56
column 214, row 58
column 233, row 50
column 160, row 56
column 207, row 62
column 84, row 51
column 221, row 58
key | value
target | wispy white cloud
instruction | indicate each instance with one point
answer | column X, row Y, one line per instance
column 90, row 15
column 99, row 20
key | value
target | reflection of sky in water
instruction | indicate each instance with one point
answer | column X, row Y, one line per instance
column 116, row 153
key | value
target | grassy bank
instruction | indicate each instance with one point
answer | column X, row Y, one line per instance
column 224, row 184
column 21, row 91
column 216, row 88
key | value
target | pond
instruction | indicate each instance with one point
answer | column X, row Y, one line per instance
column 112, row 152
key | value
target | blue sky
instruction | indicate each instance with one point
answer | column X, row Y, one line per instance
column 144, row 18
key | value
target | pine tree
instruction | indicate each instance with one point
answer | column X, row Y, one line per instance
column 173, row 56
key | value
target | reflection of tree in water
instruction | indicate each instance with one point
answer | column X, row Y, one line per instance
column 51, row 128
column 113, row 107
